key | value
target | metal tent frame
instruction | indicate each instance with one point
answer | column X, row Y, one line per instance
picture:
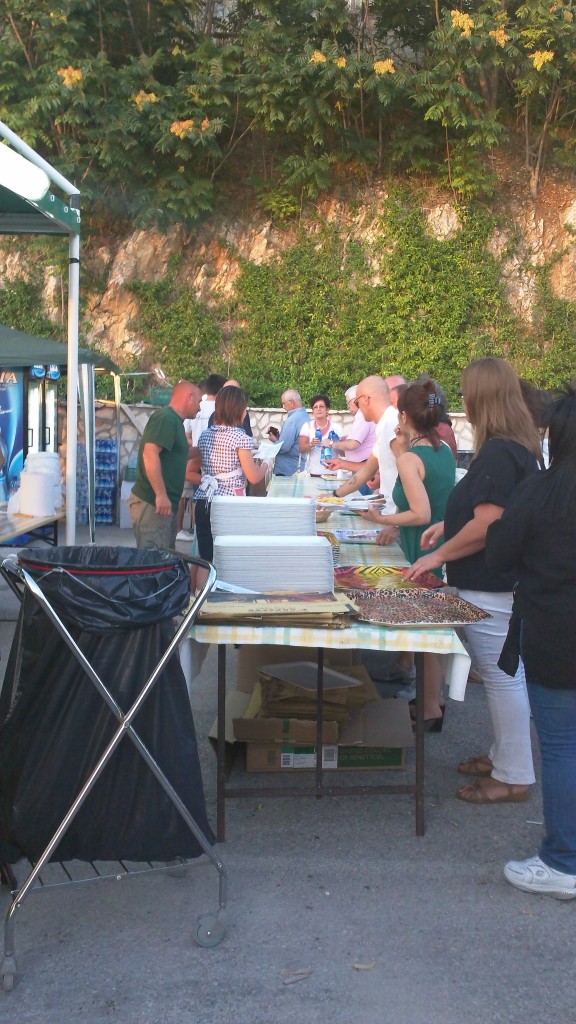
column 50, row 215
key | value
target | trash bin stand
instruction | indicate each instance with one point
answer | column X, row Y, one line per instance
column 211, row 927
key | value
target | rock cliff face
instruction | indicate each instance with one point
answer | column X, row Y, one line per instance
column 535, row 233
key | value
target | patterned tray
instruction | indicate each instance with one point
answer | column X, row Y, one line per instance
column 429, row 608
column 381, row 577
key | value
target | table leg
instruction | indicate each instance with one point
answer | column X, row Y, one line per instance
column 221, row 747
column 319, row 719
column 419, row 750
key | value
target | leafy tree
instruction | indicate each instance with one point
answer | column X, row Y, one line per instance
column 545, row 82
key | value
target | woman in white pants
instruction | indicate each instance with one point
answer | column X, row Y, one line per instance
column 507, row 448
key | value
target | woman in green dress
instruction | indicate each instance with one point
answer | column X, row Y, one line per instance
column 426, row 475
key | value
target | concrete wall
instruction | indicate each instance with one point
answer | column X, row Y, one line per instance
column 133, row 419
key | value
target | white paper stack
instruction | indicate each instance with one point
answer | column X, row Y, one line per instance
column 263, row 564
column 263, row 516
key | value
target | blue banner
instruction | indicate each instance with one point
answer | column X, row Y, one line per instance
column 11, row 429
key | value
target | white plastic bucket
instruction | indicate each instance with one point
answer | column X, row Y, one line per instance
column 48, row 464
column 36, row 494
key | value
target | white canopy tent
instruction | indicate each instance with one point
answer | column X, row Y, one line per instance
column 28, row 205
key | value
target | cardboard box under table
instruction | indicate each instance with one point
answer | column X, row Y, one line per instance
column 375, row 738
column 347, row 641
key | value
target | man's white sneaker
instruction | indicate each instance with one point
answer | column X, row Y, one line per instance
column 184, row 535
column 533, row 875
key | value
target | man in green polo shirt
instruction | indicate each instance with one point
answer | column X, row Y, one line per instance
column 162, row 459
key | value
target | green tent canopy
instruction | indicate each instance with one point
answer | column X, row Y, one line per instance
column 19, row 350
column 48, row 216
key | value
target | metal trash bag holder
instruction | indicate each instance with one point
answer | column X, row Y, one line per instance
column 211, row 927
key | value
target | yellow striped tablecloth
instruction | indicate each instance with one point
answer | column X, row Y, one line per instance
column 360, row 636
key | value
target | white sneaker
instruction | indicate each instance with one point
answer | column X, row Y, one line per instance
column 184, row 535
column 533, row 875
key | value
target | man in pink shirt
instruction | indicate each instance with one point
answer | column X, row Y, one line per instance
column 358, row 444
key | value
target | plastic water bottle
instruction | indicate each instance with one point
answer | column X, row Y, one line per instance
column 326, row 451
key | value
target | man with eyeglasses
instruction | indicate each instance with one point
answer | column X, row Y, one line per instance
column 373, row 401
column 288, row 457
column 359, row 442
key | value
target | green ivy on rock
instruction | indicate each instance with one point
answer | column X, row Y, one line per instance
column 327, row 312
column 184, row 336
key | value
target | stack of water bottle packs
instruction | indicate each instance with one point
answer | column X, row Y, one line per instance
column 105, row 481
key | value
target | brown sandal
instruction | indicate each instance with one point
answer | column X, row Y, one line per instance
column 484, row 791
column 480, row 765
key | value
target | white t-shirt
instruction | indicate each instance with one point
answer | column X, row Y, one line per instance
column 200, row 422
column 385, row 433
column 315, row 467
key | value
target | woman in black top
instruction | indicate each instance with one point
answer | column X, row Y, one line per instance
column 536, row 540
column 507, row 450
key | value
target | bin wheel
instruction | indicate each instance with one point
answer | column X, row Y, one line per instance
column 211, row 929
column 8, row 973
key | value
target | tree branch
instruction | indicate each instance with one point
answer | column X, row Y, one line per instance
column 231, row 150
column 20, row 40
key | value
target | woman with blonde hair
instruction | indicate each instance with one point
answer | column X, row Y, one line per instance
column 507, row 450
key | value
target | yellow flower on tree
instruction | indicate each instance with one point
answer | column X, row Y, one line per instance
column 340, row 62
column 463, row 22
column 142, row 98
column 70, row 76
column 541, row 57
column 318, row 57
column 500, row 36
column 384, row 67
column 181, row 128
column 205, row 125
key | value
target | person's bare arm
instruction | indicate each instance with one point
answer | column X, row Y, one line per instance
column 153, row 468
column 468, row 541
column 252, row 472
column 361, row 476
column 343, row 445
column 409, row 469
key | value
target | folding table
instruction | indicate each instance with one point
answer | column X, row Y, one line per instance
column 360, row 636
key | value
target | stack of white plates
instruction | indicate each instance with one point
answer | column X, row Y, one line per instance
column 295, row 564
column 264, row 516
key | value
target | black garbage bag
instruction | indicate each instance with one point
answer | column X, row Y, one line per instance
column 54, row 725
column 110, row 588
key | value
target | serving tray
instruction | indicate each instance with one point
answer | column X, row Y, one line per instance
column 381, row 577
column 415, row 608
